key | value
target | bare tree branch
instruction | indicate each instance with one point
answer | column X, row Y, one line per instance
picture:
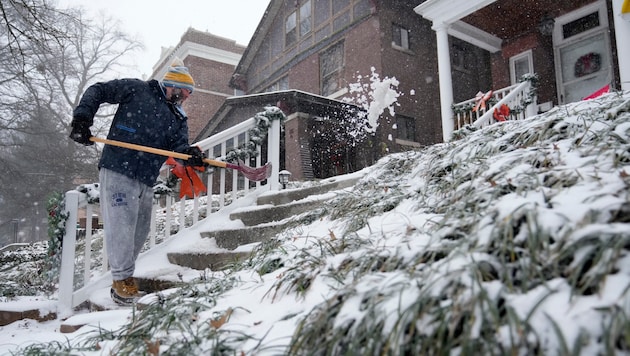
column 47, row 59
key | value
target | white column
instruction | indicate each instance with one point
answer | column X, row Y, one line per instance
column 622, row 34
column 446, row 80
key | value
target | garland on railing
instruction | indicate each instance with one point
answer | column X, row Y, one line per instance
column 256, row 134
column 56, row 230
column 526, row 101
column 165, row 186
column 529, row 96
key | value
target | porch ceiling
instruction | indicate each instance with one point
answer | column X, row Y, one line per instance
column 449, row 11
column 504, row 19
column 508, row 19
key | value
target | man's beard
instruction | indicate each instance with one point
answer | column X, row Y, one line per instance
column 176, row 96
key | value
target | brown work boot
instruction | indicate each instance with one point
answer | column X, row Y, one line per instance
column 125, row 292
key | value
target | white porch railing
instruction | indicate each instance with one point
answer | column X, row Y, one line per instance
column 70, row 295
column 518, row 97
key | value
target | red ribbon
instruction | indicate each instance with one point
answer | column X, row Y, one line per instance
column 191, row 183
column 480, row 100
column 502, row 113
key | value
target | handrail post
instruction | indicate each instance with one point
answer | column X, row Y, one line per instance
column 273, row 154
column 87, row 260
column 66, row 271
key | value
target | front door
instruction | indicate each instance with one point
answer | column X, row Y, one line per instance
column 583, row 53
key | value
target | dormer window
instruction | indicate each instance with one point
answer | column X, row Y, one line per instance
column 305, row 18
column 290, row 29
column 300, row 19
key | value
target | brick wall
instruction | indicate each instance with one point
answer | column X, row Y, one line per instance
column 212, row 87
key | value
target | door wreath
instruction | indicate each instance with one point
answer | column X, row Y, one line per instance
column 587, row 64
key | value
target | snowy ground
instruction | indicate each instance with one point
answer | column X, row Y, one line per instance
column 514, row 239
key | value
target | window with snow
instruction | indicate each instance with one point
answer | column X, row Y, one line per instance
column 330, row 65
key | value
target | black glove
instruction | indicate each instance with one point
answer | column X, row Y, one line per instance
column 196, row 157
column 81, row 133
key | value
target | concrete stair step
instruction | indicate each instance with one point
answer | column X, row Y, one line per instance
column 215, row 261
column 271, row 213
column 229, row 240
column 290, row 195
column 233, row 238
column 286, row 203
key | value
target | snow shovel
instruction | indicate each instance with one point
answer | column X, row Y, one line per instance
column 251, row 173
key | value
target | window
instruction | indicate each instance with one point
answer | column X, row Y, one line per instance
column 520, row 65
column 301, row 19
column 458, row 58
column 305, row 18
column 290, row 29
column 580, row 25
column 581, row 22
column 330, row 64
column 406, row 128
column 400, row 37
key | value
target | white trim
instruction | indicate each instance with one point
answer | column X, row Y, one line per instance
column 198, row 50
column 338, row 93
column 447, row 12
column 475, row 36
column 530, row 61
column 211, row 92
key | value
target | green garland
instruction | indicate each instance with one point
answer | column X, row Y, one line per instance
column 531, row 94
column 56, row 230
column 256, row 134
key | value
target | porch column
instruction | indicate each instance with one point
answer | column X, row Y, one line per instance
column 446, row 81
column 622, row 34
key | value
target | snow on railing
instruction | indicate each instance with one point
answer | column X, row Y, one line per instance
column 75, row 202
column 518, row 97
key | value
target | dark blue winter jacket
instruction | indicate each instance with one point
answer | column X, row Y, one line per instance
column 143, row 117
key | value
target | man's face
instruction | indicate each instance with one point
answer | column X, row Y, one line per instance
column 177, row 95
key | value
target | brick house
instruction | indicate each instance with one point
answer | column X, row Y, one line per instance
column 318, row 47
column 211, row 60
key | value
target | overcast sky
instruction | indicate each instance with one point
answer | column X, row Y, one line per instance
column 161, row 23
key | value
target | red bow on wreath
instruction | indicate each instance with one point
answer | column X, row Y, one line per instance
column 502, row 113
column 191, row 184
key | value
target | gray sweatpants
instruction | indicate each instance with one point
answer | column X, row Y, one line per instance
column 126, row 210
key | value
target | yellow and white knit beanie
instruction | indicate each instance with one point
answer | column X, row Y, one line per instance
column 178, row 76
